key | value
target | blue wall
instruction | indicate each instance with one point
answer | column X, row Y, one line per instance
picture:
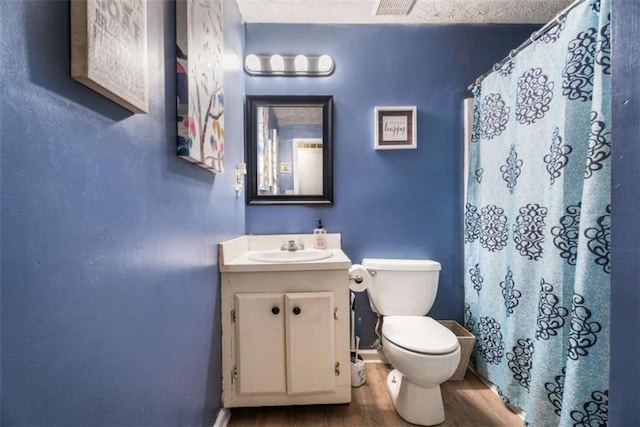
column 405, row 203
column 110, row 295
column 625, row 275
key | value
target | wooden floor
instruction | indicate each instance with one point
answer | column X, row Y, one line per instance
column 467, row 403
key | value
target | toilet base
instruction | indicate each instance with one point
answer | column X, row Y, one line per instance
column 415, row 404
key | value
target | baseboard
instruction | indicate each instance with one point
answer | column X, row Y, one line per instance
column 373, row 356
column 222, row 420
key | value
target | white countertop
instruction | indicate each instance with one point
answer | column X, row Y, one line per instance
column 234, row 254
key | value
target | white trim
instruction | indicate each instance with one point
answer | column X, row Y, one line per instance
column 373, row 356
column 223, row 418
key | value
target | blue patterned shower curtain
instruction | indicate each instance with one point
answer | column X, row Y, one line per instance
column 537, row 223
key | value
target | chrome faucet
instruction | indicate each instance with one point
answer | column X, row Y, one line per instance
column 291, row 246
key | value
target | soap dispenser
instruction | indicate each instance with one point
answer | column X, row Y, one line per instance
column 320, row 236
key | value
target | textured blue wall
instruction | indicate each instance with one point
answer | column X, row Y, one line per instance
column 110, row 296
column 402, row 203
column 625, row 275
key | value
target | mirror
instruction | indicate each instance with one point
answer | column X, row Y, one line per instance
column 289, row 149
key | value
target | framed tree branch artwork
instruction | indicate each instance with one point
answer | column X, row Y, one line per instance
column 199, row 83
column 395, row 128
column 109, row 49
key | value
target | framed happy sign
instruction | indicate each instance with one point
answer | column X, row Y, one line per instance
column 394, row 128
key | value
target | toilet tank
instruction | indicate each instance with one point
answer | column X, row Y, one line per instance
column 406, row 287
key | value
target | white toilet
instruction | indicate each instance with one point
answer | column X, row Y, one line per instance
column 423, row 352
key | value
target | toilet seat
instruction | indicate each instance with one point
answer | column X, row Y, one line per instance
column 419, row 334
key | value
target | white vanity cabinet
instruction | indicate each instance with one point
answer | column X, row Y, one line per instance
column 285, row 333
column 285, row 343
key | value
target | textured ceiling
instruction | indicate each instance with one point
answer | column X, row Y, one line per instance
column 298, row 115
column 424, row 11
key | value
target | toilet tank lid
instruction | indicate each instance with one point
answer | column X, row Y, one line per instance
column 401, row 264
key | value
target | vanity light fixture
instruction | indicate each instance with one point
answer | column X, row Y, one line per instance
column 289, row 65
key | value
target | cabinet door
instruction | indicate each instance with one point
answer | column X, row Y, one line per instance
column 260, row 355
column 311, row 352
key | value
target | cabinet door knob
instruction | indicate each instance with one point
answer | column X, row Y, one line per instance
column 296, row 310
column 275, row 310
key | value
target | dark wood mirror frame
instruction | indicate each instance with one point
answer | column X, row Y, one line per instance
column 253, row 102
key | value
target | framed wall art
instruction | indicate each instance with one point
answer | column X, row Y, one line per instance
column 109, row 49
column 199, row 83
column 285, row 167
column 395, row 128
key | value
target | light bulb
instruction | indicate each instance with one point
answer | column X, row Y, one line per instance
column 325, row 63
column 252, row 62
column 277, row 63
column 301, row 63
column 231, row 62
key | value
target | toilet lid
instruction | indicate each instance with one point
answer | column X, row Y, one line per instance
column 420, row 334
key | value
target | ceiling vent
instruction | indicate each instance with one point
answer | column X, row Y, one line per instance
column 393, row 7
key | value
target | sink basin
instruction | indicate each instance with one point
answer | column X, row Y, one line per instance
column 278, row 256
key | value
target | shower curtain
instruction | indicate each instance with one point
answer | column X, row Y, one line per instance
column 537, row 223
